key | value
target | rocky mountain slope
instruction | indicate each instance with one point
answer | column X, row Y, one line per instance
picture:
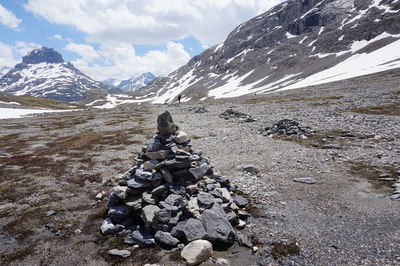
column 44, row 73
column 131, row 84
column 4, row 70
column 295, row 44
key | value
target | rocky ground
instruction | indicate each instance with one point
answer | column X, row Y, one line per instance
column 56, row 171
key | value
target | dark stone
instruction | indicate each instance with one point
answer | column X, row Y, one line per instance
column 166, row 174
column 119, row 213
column 165, row 124
column 332, row 146
column 163, row 215
column 241, row 201
column 218, row 227
column 129, row 174
column 205, row 200
column 138, row 183
column 177, row 163
column 113, row 200
column 141, row 237
column 193, row 230
column 154, row 145
column 177, row 230
column 174, row 200
column 166, row 238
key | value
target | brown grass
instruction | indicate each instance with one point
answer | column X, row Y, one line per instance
column 372, row 172
column 38, row 102
column 388, row 109
column 280, row 249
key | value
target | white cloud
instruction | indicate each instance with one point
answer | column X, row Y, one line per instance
column 7, row 55
column 120, row 61
column 7, row 18
column 87, row 52
column 57, row 37
column 23, row 48
column 150, row 21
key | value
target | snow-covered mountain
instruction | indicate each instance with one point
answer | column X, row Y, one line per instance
column 295, row 44
column 44, row 73
column 131, row 84
column 4, row 70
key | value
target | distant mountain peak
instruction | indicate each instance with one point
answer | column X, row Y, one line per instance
column 131, row 84
column 42, row 55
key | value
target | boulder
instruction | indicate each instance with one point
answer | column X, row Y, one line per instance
column 166, row 239
column 193, row 230
column 217, row 227
column 165, row 124
column 148, row 214
column 197, row 252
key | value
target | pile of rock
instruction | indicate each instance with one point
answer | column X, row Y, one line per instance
column 198, row 110
column 231, row 113
column 172, row 197
column 287, row 127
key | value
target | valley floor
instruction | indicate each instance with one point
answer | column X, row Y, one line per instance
column 53, row 166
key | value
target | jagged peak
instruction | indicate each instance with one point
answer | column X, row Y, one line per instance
column 42, row 55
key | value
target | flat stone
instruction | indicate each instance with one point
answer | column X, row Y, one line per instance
column 217, row 227
column 119, row 213
column 138, row 183
column 174, row 200
column 157, row 155
column 305, row 180
column 165, row 124
column 150, row 165
column 249, row 168
column 159, row 190
column 332, row 146
column 140, row 237
column 123, row 253
column 194, row 230
column 166, row 239
column 181, row 137
column 146, row 175
column 197, row 252
column 134, row 201
column 148, row 214
column 241, row 201
column 177, row 164
column 205, row 200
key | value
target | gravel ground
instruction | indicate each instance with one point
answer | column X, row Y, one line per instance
column 61, row 162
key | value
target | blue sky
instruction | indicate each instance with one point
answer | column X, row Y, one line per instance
column 120, row 38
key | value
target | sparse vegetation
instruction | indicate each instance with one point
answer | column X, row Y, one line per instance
column 280, row 249
column 39, row 102
column 371, row 173
column 387, row 109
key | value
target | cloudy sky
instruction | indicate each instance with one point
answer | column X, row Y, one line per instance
column 121, row 38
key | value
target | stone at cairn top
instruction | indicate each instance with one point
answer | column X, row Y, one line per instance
column 165, row 124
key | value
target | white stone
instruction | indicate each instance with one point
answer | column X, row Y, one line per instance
column 181, row 137
column 121, row 192
column 193, row 208
column 197, row 252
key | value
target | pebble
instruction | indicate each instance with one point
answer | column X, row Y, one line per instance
column 305, row 180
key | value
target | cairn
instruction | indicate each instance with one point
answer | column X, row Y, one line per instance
column 287, row 127
column 172, row 196
column 231, row 113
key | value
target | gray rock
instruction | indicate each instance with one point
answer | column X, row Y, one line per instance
column 129, row 174
column 395, row 197
column 120, row 191
column 194, row 230
column 148, row 198
column 244, row 241
column 332, row 146
column 140, row 237
column 177, row 164
column 123, row 253
column 217, row 227
column 109, row 228
column 166, row 239
column 159, row 190
column 148, row 214
column 163, row 215
column 166, row 174
column 138, row 183
column 243, row 214
column 177, row 230
column 205, row 200
column 224, row 194
column 174, row 200
column 165, row 124
column 241, row 201
column 249, row 168
column 198, row 173
column 192, row 189
column 150, row 165
column 181, row 137
column 157, row 155
column 153, row 145
column 197, row 252
column 50, row 213
column 305, row 180
column 193, row 208
column 119, row 213
column 134, row 201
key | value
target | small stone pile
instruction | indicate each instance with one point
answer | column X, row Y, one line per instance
column 231, row 113
column 172, row 197
column 287, row 127
column 198, row 110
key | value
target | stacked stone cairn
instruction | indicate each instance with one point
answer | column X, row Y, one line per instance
column 172, row 197
column 231, row 113
column 287, row 127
